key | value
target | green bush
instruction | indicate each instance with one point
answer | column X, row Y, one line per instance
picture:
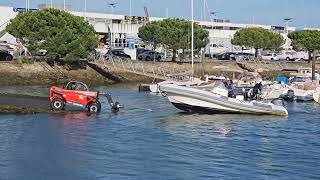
column 59, row 32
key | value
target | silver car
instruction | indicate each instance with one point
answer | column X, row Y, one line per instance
column 149, row 56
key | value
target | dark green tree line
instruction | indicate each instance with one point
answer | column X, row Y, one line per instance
column 307, row 40
column 174, row 34
column 258, row 38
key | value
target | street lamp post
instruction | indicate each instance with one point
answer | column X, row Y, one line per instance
column 212, row 16
column 287, row 20
column 112, row 6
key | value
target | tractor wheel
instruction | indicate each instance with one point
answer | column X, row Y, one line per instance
column 57, row 104
column 94, row 107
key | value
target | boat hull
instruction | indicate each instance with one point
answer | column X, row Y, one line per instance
column 200, row 101
column 316, row 97
column 154, row 88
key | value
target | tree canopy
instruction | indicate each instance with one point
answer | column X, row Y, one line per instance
column 308, row 40
column 174, row 34
column 58, row 32
column 258, row 38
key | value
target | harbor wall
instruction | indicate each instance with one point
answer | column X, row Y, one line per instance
column 38, row 74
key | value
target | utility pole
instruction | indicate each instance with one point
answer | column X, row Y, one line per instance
column 130, row 14
column 51, row 4
column 27, row 8
column 204, row 10
column 64, row 5
column 192, row 38
column 130, row 8
column 167, row 13
column 85, row 9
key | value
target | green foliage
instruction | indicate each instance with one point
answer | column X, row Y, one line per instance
column 306, row 39
column 258, row 38
column 174, row 34
column 58, row 32
column 309, row 40
column 150, row 33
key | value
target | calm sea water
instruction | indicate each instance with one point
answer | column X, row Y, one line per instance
column 150, row 139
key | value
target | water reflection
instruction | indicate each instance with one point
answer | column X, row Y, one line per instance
column 80, row 116
column 220, row 125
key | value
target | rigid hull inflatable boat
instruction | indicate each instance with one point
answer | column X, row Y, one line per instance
column 203, row 101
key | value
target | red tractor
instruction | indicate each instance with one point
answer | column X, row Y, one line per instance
column 77, row 94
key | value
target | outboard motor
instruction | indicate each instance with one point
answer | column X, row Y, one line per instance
column 289, row 96
column 279, row 102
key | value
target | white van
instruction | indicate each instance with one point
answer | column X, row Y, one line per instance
column 287, row 55
column 302, row 56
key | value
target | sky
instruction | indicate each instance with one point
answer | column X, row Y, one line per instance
column 303, row 12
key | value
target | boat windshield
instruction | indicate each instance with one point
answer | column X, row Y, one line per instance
column 220, row 85
column 299, row 79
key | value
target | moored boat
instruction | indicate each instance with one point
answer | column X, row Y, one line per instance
column 202, row 101
column 316, row 95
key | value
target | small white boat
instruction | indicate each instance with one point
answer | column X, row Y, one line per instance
column 316, row 95
column 274, row 91
column 303, row 95
column 304, row 91
column 202, row 101
column 154, row 88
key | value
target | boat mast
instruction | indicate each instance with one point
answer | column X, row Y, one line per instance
column 192, row 38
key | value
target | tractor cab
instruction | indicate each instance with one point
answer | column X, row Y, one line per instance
column 76, row 86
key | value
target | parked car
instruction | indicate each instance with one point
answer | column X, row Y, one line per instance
column 6, row 51
column 227, row 56
column 149, row 56
column 270, row 57
column 287, row 55
column 244, row 56
column 5, row 56
column 301, row 55
column 119, row 53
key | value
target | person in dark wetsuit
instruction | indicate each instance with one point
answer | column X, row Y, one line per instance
column 256, row 90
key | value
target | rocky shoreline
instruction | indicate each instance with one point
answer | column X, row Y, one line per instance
column 42, row 74
column 36, row 74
